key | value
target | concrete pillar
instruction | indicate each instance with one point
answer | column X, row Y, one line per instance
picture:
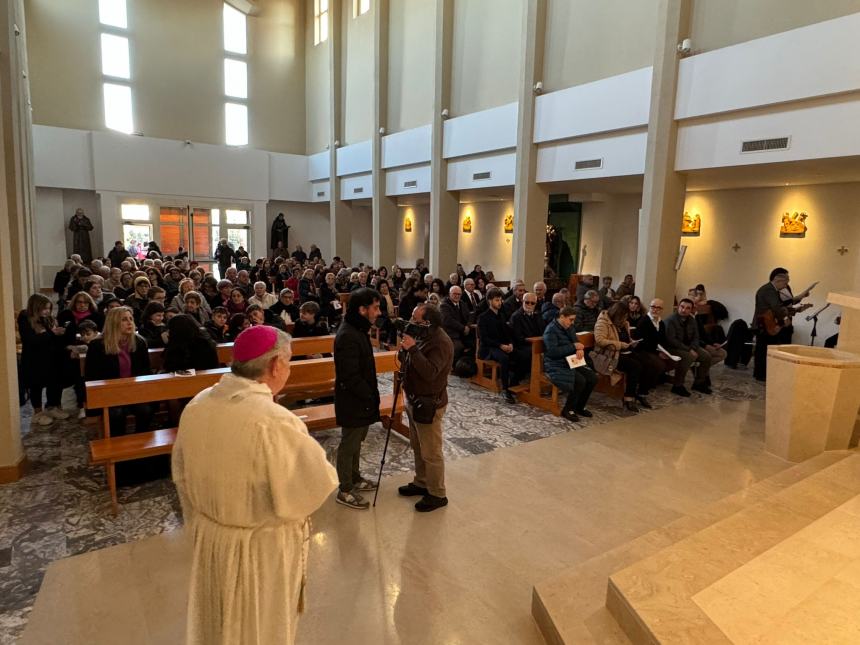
column 17, row 147
column 530, row 200
column 340, row 212
column 664, row 189
column 12, row 458
column 444, row 205
column 385, row 218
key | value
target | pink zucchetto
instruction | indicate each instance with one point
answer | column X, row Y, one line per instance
column 254, row 342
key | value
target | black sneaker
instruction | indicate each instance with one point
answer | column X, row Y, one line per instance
column 631, row 406
column 584, row 413
column 680, row 390
column 509, row 397
column 644, row 402
column 703, row 388
column 352, row 500
column 412, row 489
column 570, row 415
column 430, row 503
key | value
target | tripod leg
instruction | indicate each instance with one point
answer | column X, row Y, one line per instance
column 390, row 423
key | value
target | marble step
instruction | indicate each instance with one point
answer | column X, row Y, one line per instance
column 653, row 599
column 571, row 606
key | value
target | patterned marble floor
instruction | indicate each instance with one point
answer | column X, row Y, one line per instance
column 61, row 508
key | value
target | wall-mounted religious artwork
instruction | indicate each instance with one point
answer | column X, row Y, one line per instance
column 407, row 224
column 509, row 223
column 793, row 225
column 467, row 224
column 691, row 225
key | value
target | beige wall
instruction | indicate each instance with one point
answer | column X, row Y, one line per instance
column 410, row 64
column 362, row 234
column 357, row 75
column 177, row 69
column 317, row 93
column 751, row 218
column 610, row 232
column 309, row 224
column 414, row 245
column 486, row 56
column 719, row 23
column 587, row 40
column 487, row 244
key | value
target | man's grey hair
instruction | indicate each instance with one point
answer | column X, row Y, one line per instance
column 256, row 368
column 558, row 300
column 261, row 283
column 468, row 281
column 591, row 294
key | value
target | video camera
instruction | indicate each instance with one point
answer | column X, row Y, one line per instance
column 409, row 328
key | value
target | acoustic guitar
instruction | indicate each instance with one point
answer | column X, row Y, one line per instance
column 772, row 326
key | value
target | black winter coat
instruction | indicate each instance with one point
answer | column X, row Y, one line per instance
column 101, row 365
column 356, row 393
column 41, row 354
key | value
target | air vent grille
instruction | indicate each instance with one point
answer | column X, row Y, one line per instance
column 765, row 145
column 360, row 189
column 413, row 183
column 588, row 164
column 320, row 193
column 481, row 175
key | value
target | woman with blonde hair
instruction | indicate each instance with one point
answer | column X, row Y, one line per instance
column 120, row 353
column 41, row 356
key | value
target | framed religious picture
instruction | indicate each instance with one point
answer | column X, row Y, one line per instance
column 793, row 225
column 407, row 224
column 509, row 223
column 467, row 224
column 691, row 225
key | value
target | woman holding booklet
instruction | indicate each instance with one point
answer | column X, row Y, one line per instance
column 564, row 364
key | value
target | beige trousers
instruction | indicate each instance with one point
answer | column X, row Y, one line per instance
column 426, row 440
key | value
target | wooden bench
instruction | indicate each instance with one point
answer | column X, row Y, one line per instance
column 488, row 370
column 300, row 347
column 308, row 378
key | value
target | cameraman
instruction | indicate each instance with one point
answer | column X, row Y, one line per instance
column 429, row 355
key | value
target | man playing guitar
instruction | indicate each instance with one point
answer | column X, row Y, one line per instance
column 775, row 305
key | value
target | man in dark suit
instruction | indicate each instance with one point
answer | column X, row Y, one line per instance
column 515, row 300
column 495, row 339
column 471, row 297
column 525, row 323
column 651, row 331
column 455, row 322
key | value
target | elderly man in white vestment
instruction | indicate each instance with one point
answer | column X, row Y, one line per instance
column 248, row 476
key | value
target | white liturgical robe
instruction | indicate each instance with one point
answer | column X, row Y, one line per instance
column 248, row 476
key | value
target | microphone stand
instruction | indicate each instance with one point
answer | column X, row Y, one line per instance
column 814, row 319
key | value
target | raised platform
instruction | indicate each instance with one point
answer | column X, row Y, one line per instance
column 462, row 574
column 570, row 608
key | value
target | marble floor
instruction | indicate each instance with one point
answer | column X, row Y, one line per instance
column 587, row 480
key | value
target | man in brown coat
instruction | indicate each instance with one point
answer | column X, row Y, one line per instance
column 426, row 386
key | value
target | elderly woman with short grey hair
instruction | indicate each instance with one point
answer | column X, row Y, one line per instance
column 248, row 476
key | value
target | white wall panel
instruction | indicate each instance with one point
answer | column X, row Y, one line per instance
column 816, row 60
column 166, row 167
column 355, row 158
column 396, row 180
column 406, row 148
column 502, row 169
column 484, row 131
column 62, row 158
column 288, row 177
column 318, row 166
column 356, row 187
column 622, row 154
column 817, row 131
column 320, row 191
column 612, row 103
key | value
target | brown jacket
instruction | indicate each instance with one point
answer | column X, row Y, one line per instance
column 605, row 333
column 429, row 364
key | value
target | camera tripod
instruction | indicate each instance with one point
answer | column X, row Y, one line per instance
column 399, row 375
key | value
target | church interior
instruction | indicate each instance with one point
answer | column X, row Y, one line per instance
column 676, row 151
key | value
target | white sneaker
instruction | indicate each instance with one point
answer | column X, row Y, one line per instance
column 57, row 413
column 42, row 419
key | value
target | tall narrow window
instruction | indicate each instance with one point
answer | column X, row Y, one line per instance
column 116, row 65
column 360, row 7
column 235, row 77
column 320, row 21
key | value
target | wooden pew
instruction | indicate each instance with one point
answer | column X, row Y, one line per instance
column 308, row 378
column 488, row 370
column 300, row 346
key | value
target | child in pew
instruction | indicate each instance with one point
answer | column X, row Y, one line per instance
column 309, row 323
column 217, row 325
column 88, row 331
